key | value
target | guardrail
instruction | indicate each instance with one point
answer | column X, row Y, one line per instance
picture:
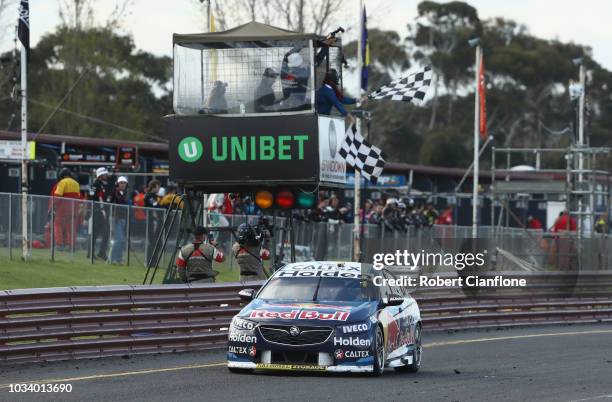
column 86, row 322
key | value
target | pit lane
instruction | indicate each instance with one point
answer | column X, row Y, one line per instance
column 552, row 363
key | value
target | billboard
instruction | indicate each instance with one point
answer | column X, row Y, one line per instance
column 332, row 168
column 13, row 150
column 236, row 152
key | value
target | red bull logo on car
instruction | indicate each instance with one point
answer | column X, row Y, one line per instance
column 301, row 315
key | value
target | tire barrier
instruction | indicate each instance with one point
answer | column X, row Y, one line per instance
column 99, row 321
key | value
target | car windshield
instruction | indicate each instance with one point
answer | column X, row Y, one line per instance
column 318, row 289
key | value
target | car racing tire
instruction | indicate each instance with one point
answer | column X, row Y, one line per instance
column 378, row 352
column 417, row 354
column 239, row 370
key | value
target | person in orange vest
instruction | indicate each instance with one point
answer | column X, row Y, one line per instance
column 66, row 210
column 138, row 201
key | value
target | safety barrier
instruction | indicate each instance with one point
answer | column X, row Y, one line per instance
column 86, row 322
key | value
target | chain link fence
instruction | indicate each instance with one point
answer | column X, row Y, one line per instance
column 87, row 231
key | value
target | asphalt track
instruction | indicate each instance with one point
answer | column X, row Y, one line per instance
column 564, row 363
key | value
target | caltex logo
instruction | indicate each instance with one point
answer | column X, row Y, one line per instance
column 190, row 149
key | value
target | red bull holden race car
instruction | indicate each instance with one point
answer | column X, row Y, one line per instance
column 326, row 316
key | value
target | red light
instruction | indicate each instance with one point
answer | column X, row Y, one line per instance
column 285, row 199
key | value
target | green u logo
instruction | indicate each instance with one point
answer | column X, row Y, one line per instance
column 190, row 149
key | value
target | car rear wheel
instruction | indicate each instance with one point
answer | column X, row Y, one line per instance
column 378, row 352
column 417, row 354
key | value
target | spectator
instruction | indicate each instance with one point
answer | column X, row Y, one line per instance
column 318, row 214
column 140, row 214
column 332, row 211
column 100, row 217
column 533, row 223
column 564, row 222
column 430, row 214
column 601, row 226
column 446, row 217
column 171, row 198
column 375, row 218
column 151, row 200
column 66, row 210
column 119, row 197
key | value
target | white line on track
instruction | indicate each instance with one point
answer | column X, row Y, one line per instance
column 592, row 398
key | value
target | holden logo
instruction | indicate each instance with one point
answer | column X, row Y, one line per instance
column 333, row 140
column 339, row 354
column 294, row 331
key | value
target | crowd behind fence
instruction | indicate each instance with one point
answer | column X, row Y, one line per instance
column 74, row 230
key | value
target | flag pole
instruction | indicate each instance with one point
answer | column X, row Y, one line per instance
column 24, row 155
column 476, row 144
column 357, row 185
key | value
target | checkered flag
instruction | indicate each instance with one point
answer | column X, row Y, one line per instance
column 408, row 89
column 362, row 156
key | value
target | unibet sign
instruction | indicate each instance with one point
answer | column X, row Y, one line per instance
column 244, row 148
column 190, row 149
column 235, row 153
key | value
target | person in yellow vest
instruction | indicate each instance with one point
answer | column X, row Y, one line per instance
column 66, row 192
column 170, row 198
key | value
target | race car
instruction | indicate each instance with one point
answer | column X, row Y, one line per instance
column 326, row 316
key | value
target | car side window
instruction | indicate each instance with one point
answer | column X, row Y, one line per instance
column 390, row 290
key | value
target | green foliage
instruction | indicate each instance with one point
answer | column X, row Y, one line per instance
column 445, row 147
column 527, row 79
column 113, row 82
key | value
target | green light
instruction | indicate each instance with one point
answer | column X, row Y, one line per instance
column 306, row 200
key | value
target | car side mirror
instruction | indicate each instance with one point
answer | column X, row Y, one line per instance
column 246, row 294
column 393, row 301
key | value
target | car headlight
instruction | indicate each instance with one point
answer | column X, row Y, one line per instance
column 240, row 324
column 354, row 328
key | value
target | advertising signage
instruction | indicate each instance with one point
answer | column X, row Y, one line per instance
column 243, row 151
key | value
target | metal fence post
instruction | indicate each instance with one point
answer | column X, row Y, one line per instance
column 52, row 230
column 92, row 227
column 146, row 243
column 73, row 235
column 128, row 230
column 10, row 237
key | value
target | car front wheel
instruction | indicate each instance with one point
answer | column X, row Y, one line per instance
column 378, row 352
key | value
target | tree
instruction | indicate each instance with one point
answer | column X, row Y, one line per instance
column 296, row 15
column 445, row 147
column 107, row 79
column 440, row 34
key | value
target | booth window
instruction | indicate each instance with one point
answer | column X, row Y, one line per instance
column 244, row 77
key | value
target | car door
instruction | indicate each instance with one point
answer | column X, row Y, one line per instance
column 401, row 325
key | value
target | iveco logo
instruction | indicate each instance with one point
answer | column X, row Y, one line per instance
column 294, row 331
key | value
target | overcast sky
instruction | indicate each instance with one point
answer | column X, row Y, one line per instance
column 152, row 22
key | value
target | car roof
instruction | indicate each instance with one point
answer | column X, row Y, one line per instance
column 332, row 269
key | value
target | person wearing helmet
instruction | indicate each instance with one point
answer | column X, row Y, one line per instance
column 295, row 74
column 119, row 197
column 66, row 210
column 100, row 225
column 249, row 254
column 194, row 262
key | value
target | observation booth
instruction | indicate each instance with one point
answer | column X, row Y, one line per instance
column 245, row 120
